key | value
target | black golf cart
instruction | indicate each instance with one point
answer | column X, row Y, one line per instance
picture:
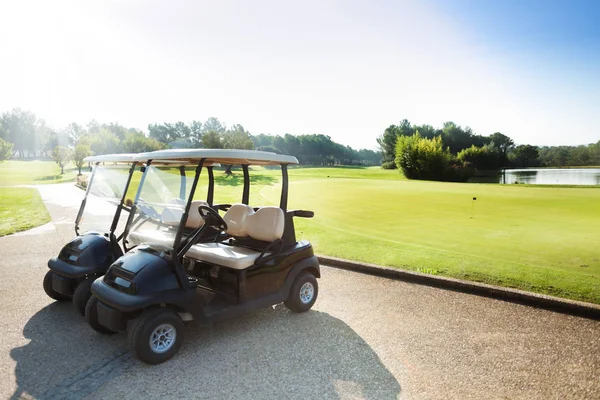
column 96, row 247
column 89, row 255
column 256, row 262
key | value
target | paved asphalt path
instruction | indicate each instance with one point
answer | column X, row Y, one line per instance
column 366, row 337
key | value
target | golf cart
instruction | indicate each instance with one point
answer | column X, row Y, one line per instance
column 254, row 263
column 89, row 255
column 96, row 247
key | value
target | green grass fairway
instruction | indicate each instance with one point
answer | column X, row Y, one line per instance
column 21, row 209
column 35, row 172
column 542, row 239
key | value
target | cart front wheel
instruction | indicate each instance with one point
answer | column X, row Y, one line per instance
column 303, row 294
column 82, row 294
column 50, row 291
column 91, row 316
column 156, row 335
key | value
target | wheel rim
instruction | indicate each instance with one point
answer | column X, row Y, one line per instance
column 163, row 338
column 307, row 291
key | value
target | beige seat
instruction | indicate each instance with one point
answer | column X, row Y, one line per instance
column 221, row 254
column 266, row 224
column 172, row 215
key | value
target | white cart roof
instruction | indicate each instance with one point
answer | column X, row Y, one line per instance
column 222, row 156
column 122, row 158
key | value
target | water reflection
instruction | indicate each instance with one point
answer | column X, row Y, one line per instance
column 552, row 176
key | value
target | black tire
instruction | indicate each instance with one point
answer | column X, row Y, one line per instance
column 296, row 299
column 141, row 328
column 82, row 294
column 91, row 316
column 50, row 291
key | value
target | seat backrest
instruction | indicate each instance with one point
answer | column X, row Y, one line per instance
column 194, row 219
column 172, row 215
column 236, row 217
column 266, row 224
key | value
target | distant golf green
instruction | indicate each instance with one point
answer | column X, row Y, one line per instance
column 21, row 209
column 35, row 172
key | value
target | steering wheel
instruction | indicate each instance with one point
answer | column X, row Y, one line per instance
column 212, row 218
column 147, row 210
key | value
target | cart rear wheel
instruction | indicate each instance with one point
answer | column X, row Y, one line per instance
column 91, row 316
column 303, row 294
column 50, row 291
column 156, row 335
column 82, row 294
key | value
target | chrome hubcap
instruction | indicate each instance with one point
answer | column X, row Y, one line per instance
column 307, row 291
column 163, row 338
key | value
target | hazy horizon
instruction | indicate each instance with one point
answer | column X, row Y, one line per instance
column 346, row 69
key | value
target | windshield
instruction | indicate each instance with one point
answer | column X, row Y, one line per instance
column 160, row 205
column 103, row 197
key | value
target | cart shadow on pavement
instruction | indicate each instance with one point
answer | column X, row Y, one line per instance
column 63, row 350
column 271, row 353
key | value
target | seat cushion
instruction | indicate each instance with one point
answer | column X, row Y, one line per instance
column 266, row 224
column 172, row 215
column 221, row 254
column 235, row 218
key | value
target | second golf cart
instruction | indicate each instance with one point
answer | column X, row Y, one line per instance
column 167, row 280
column 96, row 246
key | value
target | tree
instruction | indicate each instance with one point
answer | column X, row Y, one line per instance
column 104, row 142
column 61, row 155
column 237, row 138
column 20, row 128
column 137, row 142
column 422, row 158
column 525, row 156
column 387, row 141
column 486, row 157
column 6, row 150
column 211, row 140
column 503, row 143
column 81, row 151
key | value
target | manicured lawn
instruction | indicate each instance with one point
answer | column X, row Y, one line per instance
column 21, row 209
column 35, row 172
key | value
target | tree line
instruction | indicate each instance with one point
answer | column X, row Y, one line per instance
column 23, row 134
column 456, row 153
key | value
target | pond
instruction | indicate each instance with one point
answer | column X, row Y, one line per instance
column 552, row 176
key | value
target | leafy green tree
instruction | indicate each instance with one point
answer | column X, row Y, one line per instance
column 137, row 142
column 212, row 140
column 80, row 152
column 422, row 158
column 237, row 138
column 503, row 143
column 62, row 155
column 525, row 156
column 6, row 150
column 387, row 141
column 104, row 142
column 487, row 157
column 20, row 128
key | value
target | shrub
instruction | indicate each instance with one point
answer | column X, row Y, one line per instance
column 486, row 157
column 422, row 158
column 6, row 150
column 389, row 165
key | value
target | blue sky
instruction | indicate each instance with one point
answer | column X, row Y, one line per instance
column 348, row 69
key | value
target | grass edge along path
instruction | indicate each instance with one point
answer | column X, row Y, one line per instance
column 21, row 209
